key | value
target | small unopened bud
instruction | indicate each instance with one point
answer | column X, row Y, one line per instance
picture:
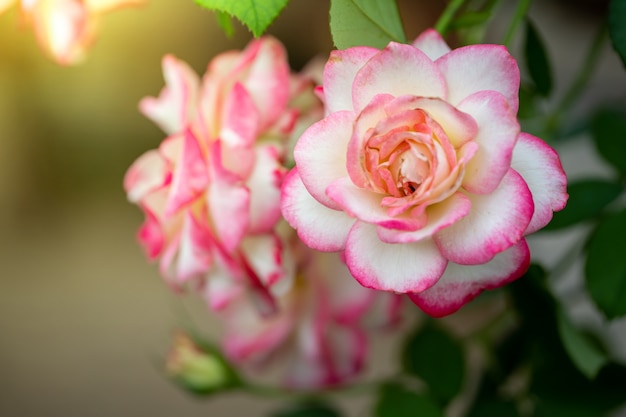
column 196, row 368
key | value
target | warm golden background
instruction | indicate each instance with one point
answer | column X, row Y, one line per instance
column 83, row 317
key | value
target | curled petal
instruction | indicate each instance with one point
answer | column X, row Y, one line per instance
column 541, row 168
column 440, row 216
column 461, row 283
column 177, row 101
column 401, row 268
column 495, row 222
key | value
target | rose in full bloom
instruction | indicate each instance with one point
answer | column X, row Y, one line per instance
column 211, row 192
column 420, row 174
column 319, row 334
column 65, row 28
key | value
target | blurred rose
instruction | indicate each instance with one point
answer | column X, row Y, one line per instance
column 65, row 29
column 419, row 171
column 320, row 331
column 211, row 192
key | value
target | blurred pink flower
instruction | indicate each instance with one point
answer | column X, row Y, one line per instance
column 211, row 192
column 419, row 171
column 319, row 334
column 65, row 29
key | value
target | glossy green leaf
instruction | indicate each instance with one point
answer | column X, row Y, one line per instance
column 365, row 22
column 587, row 356
column 257, row 15
column 617, row 27
column 587, row 199
column 308, row 409
column 437, row 359
column 537, row 60
column 605, row 269
column 608, row 128
column 397, row 401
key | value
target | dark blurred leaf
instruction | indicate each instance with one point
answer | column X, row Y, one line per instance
column 537, row 60
column 469, row 19
column 587, row 199
column 493, row 407
column 608, row 128
column 586, row 355
column 605, row 269
column 437, row 359
column 310, row 409
column 365, row 22
column 397, row 401
column 257, row 15
column 225, row 22
column 617, row 27
column 527, row 102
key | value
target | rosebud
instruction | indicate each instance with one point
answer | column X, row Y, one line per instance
column 198, row 368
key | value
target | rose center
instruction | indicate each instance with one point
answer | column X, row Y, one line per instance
column 410, row 169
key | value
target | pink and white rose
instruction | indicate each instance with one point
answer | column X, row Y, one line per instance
column 65, row 29
column 419, row 172
column 319, row 334
column 211, row 191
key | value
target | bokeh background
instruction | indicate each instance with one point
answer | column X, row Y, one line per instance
column 84, row 320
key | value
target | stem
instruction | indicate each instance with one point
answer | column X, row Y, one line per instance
column 576, row 88
column 520, row 13
column 446, row 17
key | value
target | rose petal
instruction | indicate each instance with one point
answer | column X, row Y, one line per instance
column 319, row 157
column 398, row 70
column 176, row 103
column 401, row 268
column 339, row 74
column 318, row 226
column 498, row 130
column 432, row 44
column 228, row 201
column 146, row 174
column 475, row 68
column 190, row 177
column 495, row 222
column 541, row 168
column 365, row 205
column 264, row 182
column 461, row 283
column 240, row 119
column 439, row 216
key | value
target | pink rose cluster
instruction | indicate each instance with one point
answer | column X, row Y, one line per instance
column 414, row 170
column 211, row 196
column 65, row 28
column 419, row 174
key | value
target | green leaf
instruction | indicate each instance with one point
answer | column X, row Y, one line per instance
column 605, row 269
column 470, row 19
column 587, row 357
column 537, row 60
column 397, row 401
column 365, row 22
column 225, row 22
column 437, row 359
column 494, row 408
column 587, row 199
column 257, row 15
column 308, row 409
column 617, row 27
column 608, row 128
